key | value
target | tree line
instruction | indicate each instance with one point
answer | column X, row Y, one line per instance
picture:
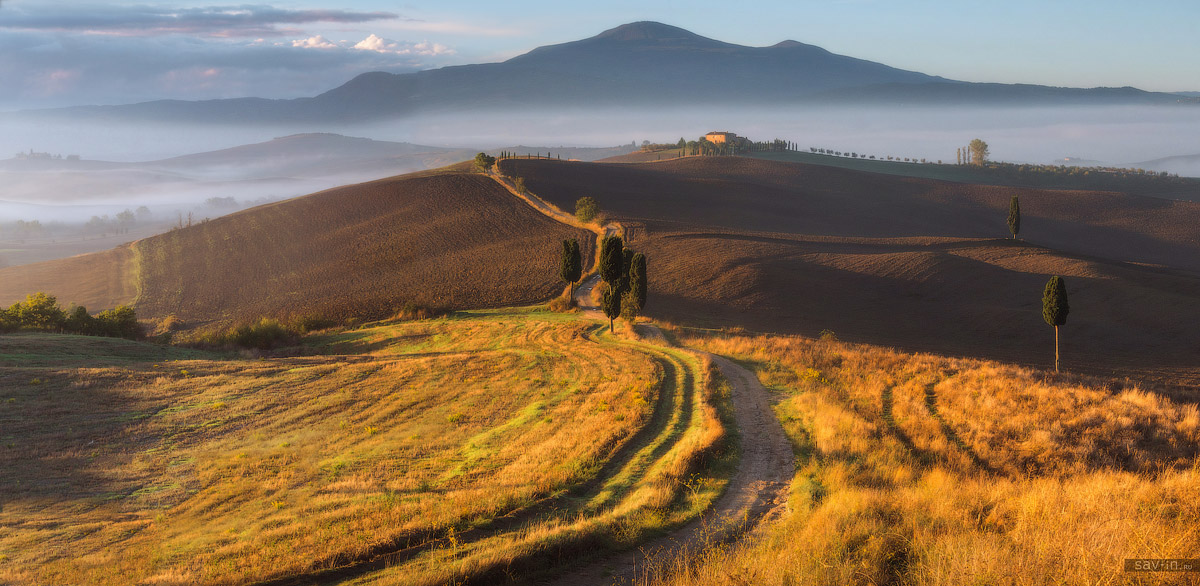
column 41, row 312
column 623, row 271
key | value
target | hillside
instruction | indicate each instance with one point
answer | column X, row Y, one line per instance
column 505, row 438
column 918, row 469
column 915, row 263
column 438, row 239
column 637, row 64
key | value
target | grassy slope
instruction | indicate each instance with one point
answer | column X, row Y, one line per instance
column 434, row 239
column 128, row 462
column 916, row 469
column 899, row 261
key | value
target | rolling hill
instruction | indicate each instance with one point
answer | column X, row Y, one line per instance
column 436, row 239
column 637, row 64
column 915, row 263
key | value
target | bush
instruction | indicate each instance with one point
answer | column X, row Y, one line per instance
column 484, row 161
column 264, row 335
column 118, row 323
column 40, row 312
column 79, row 321
column 8, row 321
column 586, row 209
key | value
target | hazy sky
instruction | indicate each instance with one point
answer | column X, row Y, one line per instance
column 65, row 52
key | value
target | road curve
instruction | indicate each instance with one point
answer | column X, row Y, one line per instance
column 757, row 492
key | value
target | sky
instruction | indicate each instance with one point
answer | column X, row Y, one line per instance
column 62, row 52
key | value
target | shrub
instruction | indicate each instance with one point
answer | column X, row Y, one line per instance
column 586, row 209
column 79, row 321
column 118, row 323
column 264, row 335
column 39, row 311
column 484, row 161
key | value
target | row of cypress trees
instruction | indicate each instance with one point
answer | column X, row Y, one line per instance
column 1055, row 306
column 624, row 271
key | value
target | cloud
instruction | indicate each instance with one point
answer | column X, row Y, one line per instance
column 317, row 42
column 380, row 45
column 48, row 70
column 248, row 20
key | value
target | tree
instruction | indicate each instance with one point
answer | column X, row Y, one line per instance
column 1014, row 217
column 612, row 305
column 611, row 257
column 626, row 265
column 484, row 161
column 79, row 321
column 572, row 263
column 637, row 283
column 979, row 151
column 118, row 323
column 39, row 311
column 586, row 209
column 1055, row 308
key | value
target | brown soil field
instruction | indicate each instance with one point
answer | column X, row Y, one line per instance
column 912, row 263
column 445, row 239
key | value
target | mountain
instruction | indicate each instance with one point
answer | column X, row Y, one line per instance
column 637, row 64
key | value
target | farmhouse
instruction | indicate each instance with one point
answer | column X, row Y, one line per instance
column 721, row 137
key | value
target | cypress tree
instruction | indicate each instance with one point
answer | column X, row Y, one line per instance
column 572, row 263
column 611, row 256
column 626, row 270
column 612, row 305
column 637, row 282
column 566, row 268
column 1055, row 308
column 1014, row 217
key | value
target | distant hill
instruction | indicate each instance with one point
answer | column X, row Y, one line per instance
column 637, row 64
column 1184, row 165
column 441, row 239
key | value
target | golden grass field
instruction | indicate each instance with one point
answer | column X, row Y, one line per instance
column 919, row 469
column 470, row 442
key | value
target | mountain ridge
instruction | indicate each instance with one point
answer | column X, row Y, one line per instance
column 636, row 64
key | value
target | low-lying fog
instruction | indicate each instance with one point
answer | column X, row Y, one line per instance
column 122, row 166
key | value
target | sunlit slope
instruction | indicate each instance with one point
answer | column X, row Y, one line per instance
column 913, row 263
column 100, row 280
column 451, row 443
column 917, row 469
column 441, row 240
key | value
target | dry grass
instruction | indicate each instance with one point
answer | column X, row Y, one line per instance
column 492, row 438
column 176, row 467
column 916, row 469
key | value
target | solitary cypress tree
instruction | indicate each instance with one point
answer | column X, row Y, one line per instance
column 612, row 305
column 572, row 263
column 1055, row 308
column 1014, row 217
column 637, row 282
column 611, row 257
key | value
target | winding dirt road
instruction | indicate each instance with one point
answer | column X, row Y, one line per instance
column 757, row 492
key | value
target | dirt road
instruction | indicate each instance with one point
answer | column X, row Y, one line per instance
column 757, row 492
